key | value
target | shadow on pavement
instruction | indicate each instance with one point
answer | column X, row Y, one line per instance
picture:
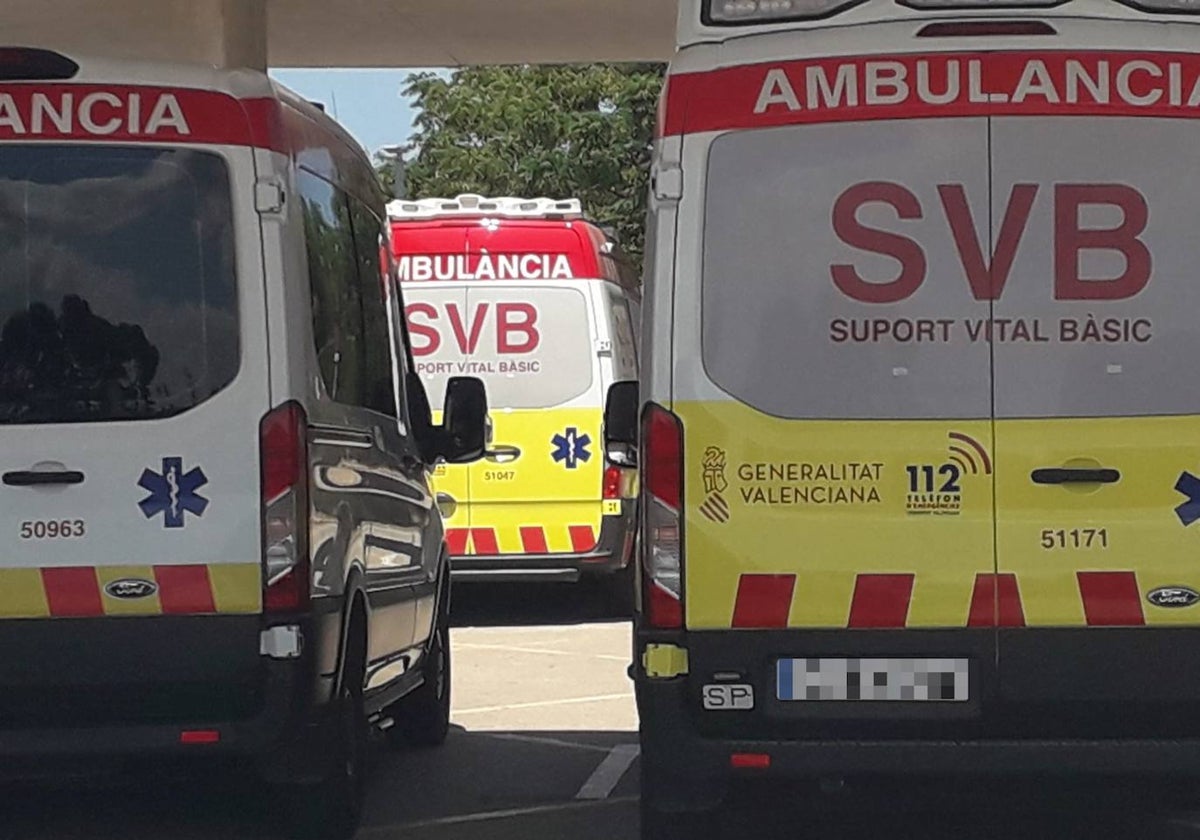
column 479, row 604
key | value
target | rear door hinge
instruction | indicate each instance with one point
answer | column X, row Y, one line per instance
column 667, row 182
column 664, row 662
column 269, row 197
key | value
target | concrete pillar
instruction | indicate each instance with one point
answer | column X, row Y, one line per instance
column 225, row 33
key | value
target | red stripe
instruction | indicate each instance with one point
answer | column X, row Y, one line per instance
column 456, row 541
column 484, row 541
column 763, row 600
column 533, row 539
column 141, row 113
column 881, row 600
column 1111, row 599
column 992, row 608
column 184, row 590
column 727, row 98
column 583, row 538
column 72, row 592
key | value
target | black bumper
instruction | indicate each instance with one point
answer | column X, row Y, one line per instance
column 1078, row 702
column 133, row 686
column 611, row 554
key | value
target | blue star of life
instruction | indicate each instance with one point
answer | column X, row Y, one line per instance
column 173, row 492
column 571, row 447
column 1189, row 511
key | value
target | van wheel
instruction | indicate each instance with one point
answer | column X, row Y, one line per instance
column 332, row 809
column 422, row 719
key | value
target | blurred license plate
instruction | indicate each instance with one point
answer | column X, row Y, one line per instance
column 906, row 680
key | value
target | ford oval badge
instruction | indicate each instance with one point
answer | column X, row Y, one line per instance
column 1173, row 596
column 130, row 589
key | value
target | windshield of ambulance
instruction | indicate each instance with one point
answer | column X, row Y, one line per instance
column 117, row 286
column 531, row 346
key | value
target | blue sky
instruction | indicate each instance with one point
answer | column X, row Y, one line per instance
column 367, row 102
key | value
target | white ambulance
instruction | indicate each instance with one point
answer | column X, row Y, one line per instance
column 920, row 418
column 540, row 303
column 217, row 531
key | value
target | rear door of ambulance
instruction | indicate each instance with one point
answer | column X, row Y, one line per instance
column 1098, row 404
column 133, row 376
column 538, row 490
column 836, row 410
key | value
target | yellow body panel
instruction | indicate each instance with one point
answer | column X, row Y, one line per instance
column 842, row 507
column 540, row 489
column 1142, row 533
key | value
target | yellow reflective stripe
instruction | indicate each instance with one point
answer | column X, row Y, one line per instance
column 236, row 587
column 22, row 594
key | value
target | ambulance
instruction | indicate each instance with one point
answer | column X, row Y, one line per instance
column 920, row 422
column 218, row 538
column 540, row 303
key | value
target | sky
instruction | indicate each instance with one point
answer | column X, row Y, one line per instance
column 367, row 102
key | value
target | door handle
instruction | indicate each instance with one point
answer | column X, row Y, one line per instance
column 503, row 454
column 1067, row 475
column 42, row 478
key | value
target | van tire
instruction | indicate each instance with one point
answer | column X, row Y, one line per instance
column 422, row 719
column 332, row 808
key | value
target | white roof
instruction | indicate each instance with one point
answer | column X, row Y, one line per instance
column 470, row 204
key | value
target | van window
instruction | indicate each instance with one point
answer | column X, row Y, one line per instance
column 777, row 332
column 378, row 373
column 333, row 279
column 531, row 346
column 118, row 292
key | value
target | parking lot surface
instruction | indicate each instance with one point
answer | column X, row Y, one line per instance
column 544, row 747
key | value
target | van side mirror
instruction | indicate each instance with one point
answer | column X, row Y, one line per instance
column 621, row 424
column 463, row 437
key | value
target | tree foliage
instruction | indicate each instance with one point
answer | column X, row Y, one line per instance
column 582, row 131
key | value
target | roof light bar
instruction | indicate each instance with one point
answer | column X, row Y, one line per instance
column 470, row 204
column 750, row 12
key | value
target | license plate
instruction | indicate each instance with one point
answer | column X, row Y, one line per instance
column 905, row 680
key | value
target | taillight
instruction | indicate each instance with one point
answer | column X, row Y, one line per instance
column 662, row 474
column 612, row 482
column 283, row 454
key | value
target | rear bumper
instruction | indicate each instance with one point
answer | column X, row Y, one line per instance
column 611, row 554
column 688, row 771
column 127, row 687
column 1059, row 702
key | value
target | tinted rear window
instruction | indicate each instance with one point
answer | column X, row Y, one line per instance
column 118, row 298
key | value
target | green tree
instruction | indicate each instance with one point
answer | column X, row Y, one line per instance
column 568, row 131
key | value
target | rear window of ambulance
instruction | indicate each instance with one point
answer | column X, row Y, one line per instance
column 775, row 328
column 118, row 297
column 531, row 346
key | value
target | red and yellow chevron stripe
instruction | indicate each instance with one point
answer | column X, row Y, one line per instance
column 1108, row 598
column 79, row 591
column 528, row 539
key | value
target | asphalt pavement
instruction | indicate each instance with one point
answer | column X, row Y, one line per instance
column 544, row 746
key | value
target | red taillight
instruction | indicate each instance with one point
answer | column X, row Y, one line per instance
column 283, row 443
column 750, row 761
column 662, row 559
column 663, row 466
column 199, row 736
column 612, row 482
